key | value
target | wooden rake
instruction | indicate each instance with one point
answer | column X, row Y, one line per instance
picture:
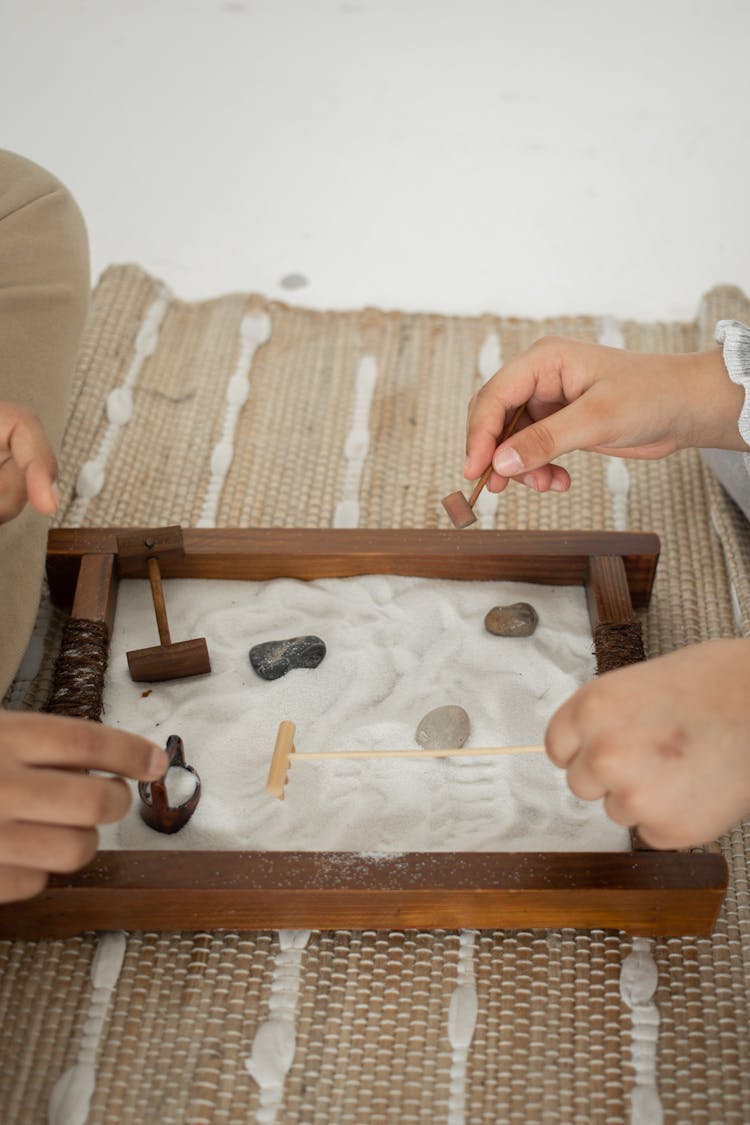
column 285, row 749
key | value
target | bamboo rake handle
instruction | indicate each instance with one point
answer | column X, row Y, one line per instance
column 460, row 752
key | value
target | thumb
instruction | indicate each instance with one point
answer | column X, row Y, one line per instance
column 572, row 427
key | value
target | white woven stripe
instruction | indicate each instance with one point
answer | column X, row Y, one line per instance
column 255, row 330
column 92, row 474
column 462, row 1019
column 357, row 443
column 274, row 1044
column 71, row 1096
column 638, row 981
column 490, row 361
column 618, row 477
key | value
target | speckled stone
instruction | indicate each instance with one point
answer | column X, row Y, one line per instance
column 517, row 620
column 294, row 281
column 273, row 659
column 444, row 728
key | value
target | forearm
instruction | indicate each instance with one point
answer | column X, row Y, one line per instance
column 714, row 402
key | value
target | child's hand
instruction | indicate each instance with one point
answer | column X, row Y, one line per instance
column 28, row 469
column 665, row 743
column 49, row 809
column 585, row 396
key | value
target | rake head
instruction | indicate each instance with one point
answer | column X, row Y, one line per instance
column 281, row 760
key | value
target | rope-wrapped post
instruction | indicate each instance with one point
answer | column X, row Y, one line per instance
column 618, row 639
column 78, row 676
column 617, row 644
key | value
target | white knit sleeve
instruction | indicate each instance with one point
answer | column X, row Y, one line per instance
column 734, row 338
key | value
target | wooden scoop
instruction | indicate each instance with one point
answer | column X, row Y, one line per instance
column 156, row 810
column 460, row 510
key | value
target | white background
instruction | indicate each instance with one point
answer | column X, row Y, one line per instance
column 459, row 155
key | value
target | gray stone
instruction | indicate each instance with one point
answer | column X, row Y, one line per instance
column 517, row 620
column 293, row 281
column 273, row 659
column 444, row 728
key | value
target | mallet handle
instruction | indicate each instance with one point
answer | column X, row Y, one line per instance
column 480, row 485
column 160, row 608
column 507, row 431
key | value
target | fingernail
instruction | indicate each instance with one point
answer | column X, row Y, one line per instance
column 530, row 480
column 507, row 462
column 556, row 485
column 55, row 494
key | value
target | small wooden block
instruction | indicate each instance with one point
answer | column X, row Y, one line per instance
column 96, row 590
column 169, row 662
column 134, row 550
column 607, row 592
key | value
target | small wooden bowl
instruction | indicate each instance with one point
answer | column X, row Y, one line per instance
column 156, row 810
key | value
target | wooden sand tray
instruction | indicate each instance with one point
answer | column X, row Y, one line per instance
column 643, row 892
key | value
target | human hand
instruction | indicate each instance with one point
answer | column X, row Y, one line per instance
column 49, row 809
column 28, row 469
column 586, row 396
column 666, row 743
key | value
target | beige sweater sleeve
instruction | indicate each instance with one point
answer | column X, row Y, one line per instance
column 44, row 293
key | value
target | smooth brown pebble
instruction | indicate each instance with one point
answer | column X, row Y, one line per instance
column 445, row 728
column 517, row 620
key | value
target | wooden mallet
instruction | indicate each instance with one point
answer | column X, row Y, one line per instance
column 167, row 660
column 460, row 510
column 284, row 754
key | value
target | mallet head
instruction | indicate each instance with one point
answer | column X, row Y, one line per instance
column 169, row 662
column 460, row 511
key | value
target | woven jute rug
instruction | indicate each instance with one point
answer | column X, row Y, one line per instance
column 552, row 1039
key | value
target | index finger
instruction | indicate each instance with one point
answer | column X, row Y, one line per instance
column 492, row 406
column 52, row 740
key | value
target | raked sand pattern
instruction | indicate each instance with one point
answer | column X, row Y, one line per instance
column 377, row 1027
column 397, row 647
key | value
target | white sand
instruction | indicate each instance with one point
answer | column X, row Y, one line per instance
column 397, row 647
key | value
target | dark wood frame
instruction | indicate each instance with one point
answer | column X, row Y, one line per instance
column 641, row 891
